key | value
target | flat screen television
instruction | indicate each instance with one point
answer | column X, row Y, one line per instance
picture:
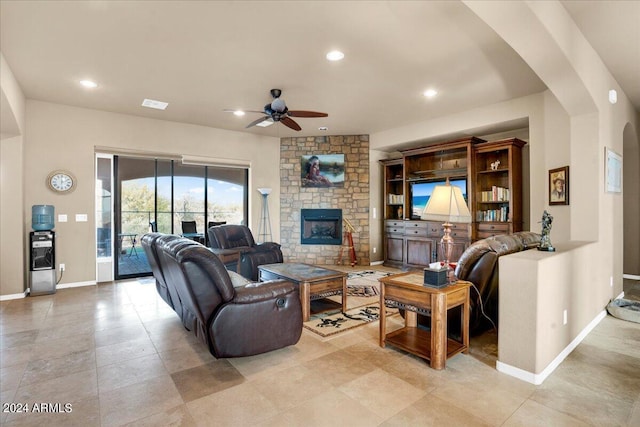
column 421, row 192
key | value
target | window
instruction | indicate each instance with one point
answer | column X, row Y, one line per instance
column 162, row 194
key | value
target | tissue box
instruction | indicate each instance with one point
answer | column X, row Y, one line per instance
column 435, row 278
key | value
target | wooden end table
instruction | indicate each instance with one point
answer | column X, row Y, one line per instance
column 314, row 282
column 407, row 291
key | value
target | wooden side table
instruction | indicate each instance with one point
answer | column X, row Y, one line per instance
column 407, row 291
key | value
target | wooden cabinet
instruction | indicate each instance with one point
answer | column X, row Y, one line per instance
column 492, row 172
column 415, row 244
column 393, row 189
column 394, row 242
column 497, row 207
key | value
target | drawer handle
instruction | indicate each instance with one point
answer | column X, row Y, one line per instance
column 492, row 227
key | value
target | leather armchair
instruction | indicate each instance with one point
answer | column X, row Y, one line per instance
column 236, row 248
column 233, row 322
column 479, row 265
column 156, row 246
column 148, row 242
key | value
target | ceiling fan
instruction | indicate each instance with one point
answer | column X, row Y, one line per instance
column 277, row 111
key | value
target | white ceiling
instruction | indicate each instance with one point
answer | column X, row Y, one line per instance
column 203, row 57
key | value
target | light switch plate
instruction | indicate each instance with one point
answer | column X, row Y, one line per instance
column 81, row 217
column 62, row 218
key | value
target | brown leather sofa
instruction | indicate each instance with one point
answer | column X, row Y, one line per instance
column 245, row 320
column 235, row 246
column 479, row 265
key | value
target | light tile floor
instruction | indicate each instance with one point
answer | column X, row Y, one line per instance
column 120, row 356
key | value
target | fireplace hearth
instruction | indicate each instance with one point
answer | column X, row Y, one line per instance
column 321, row 226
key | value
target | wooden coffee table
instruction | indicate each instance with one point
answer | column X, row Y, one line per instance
column 407, row 291
column 315, row 282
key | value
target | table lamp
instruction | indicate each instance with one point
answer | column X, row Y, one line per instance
column 447, row 204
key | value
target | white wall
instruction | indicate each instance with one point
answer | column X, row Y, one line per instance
column 63, row 137
column 12, row 256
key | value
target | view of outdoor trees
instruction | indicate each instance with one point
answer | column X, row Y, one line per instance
column 137, row 207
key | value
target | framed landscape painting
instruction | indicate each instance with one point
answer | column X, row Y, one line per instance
column 322, row 170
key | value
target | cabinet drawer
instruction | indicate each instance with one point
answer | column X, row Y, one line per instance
column 492, row 226
column 415, row 231
column 416, row 228
column 416, row 224
column 394, row 230
column 459, row 234
column 458, row 229
column 484, row 234
column 394, row 223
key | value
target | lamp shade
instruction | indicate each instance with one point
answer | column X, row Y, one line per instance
column 447, row 204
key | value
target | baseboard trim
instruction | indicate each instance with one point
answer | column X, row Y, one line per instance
column 630, row 276
column 376, row 263
column 76, row 284
column 13, row 296
column 538, row 379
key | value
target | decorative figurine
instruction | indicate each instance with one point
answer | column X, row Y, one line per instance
column 495, row 165
column 545, row 241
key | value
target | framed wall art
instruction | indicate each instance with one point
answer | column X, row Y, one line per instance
column 559, row 186
column 322, row 170
column 612, row 171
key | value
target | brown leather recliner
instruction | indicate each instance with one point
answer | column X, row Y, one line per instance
column 479, row 265
column 148, row 242
column 235, row 246
column 233, row 322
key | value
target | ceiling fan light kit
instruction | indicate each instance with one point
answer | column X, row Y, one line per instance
column 277, row 111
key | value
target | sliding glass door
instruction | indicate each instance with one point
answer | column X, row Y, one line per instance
column 169, row 197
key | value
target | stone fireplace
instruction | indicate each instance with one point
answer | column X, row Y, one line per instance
column 352, row 199
column 321, row 226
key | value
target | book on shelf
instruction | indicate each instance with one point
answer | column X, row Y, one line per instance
column 395, row 199
column 493, row 215
column 496, row 194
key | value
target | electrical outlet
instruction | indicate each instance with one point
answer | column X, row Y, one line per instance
column 611, row 281
column 564, row 317
column 61, row 267
column 375, row 249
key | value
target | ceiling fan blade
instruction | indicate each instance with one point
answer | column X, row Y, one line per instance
column 302, row 113
column 290, row 123
column 255, row 122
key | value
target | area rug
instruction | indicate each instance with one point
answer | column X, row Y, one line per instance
column 364, row 283
column 334, row 322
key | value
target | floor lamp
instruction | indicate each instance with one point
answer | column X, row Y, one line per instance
column 447, row 205
column 264, row 229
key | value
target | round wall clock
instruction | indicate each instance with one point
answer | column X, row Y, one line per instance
column 61, row 182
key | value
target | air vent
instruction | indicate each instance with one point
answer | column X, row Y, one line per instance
column 157, row 105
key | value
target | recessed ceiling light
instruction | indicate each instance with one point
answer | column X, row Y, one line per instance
column 323, row 128
column 430, row 93
column 238, row 113
column 158, row 105
column 88, row 84
column 335, row 55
